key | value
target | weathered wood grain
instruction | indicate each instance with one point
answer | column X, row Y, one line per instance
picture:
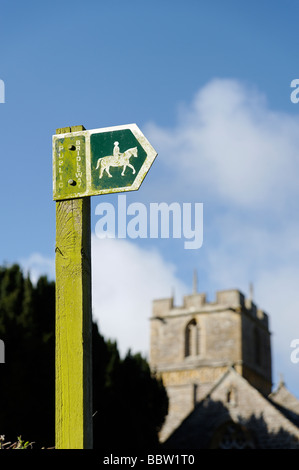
column 73, row 324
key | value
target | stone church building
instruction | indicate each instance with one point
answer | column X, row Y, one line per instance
column 215, row 362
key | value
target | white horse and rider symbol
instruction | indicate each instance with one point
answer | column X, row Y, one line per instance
column 118, row 159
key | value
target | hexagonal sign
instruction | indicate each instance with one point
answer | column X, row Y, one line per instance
column 100, row 161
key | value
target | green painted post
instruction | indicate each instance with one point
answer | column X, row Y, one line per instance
column 73, row 420
column 81, row 168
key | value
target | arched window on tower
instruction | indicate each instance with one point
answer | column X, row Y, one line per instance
column 192, row 339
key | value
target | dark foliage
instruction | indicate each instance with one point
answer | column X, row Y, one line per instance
column 129, row 403
column 27, row 380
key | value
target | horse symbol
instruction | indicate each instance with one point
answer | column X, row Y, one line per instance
column 123, row 159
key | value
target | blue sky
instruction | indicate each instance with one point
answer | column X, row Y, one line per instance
column 209, row 85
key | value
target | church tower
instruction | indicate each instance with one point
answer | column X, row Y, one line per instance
column 193, row 345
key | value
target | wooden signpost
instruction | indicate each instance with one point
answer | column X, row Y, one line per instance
column 85, row 163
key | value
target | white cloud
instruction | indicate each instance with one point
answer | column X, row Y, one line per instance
column 126, row 279
column 228, row 144
column 38, row 265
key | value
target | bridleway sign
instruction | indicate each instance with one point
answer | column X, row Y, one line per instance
column 85, row 163
column 100, row 161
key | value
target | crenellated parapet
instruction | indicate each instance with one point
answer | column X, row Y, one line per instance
column 197, row 303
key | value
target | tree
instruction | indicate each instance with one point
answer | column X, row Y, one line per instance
column 129, row 402
column 28, row 376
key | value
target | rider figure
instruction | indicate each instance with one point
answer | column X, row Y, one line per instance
column 116, row 152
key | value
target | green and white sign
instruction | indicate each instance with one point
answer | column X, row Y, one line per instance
column 100, row 161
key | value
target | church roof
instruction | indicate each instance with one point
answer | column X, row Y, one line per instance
column 262, row 421
column 286, row 402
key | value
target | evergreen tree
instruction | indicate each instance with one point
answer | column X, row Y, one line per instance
column 129, row 402
column 27, row 377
